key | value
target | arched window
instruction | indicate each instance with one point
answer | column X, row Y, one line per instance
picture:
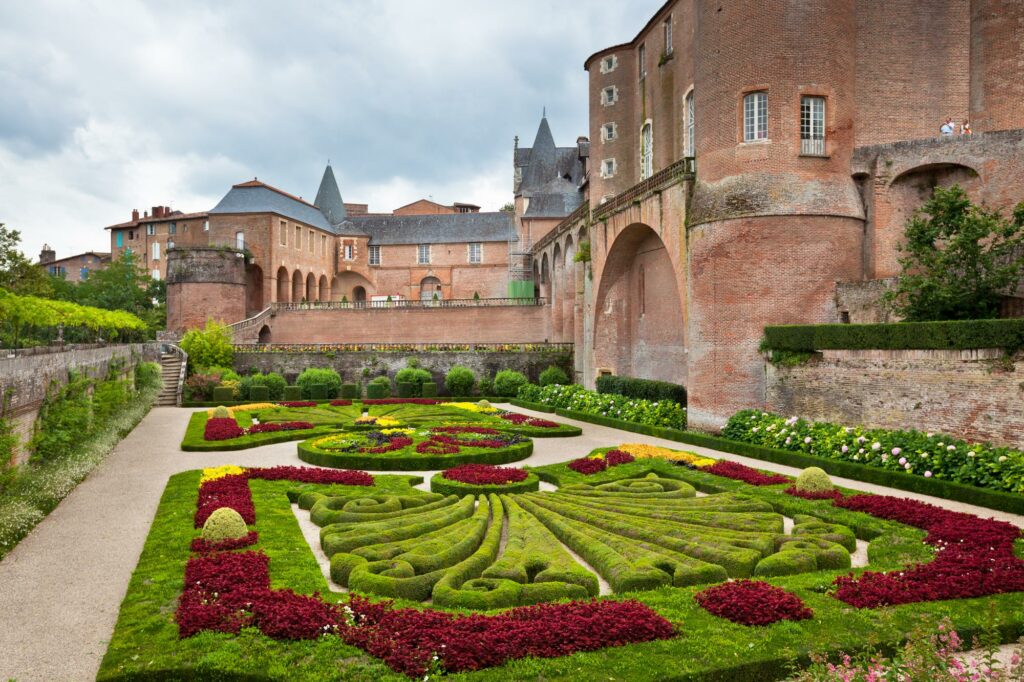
column 689, row 151
column 430, row 287
column 646, row 151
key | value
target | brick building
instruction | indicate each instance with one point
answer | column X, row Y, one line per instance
column 72, row 268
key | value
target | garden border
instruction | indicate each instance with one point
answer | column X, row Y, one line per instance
column 444, row 486
column 417, row 462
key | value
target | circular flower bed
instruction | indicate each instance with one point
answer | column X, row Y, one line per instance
column 599, row 462
column 481, row 479
column 752, row 602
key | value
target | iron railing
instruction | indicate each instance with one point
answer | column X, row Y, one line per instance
column 403, row 347
column 410, row 303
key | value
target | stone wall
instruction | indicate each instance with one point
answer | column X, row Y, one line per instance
column 26, row 377
column 361, row 366
column 972, row 394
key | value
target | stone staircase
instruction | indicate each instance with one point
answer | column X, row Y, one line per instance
column 170, row 373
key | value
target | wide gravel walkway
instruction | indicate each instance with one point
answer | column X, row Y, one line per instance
column 61, row 587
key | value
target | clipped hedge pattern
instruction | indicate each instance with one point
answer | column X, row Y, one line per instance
column 444, row 486
column 951, row 335
column 412, row 462
column 645, row 389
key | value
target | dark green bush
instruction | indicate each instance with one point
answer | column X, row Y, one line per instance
column 459, row 381
column 208, row 347
column 644, row 389
column 350, row 391
column 953, row 335
column 415, row 376
column 319, row 375
column 64, row 419
column 223, row 394
column 376, row 391
column 292, row 393
column 508, row 381
column 553, row 375
column 225, row 373
column 485, row 386
column 259, row 394
column 108, row 399
column 428, row 389
column 406, row 389
column 147, row 376
column 318, row 392
column 274, row 383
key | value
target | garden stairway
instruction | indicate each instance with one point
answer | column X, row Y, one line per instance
column 170, row 374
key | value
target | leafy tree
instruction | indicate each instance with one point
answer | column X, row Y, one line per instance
column 209, row 347
column 509, row 207
column 960, row 260
column 18, row 273
column 124, row 285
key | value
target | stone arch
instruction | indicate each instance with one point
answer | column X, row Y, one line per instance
column 298, row 287
column 253, row 289
column 569, row 291
column 557, row 287
column 264, row 336
column 359, row 294
column 324, row 294
column 545, row 277
column 639, row 325
column 311, row 288
column 284, row 288
column 429, row 286
column 345, row 284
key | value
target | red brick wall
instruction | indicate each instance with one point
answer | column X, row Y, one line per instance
column 997, row 55
column 204, row 283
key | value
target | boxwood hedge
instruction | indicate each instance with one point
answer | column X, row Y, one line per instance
column 444, row 486
column 412, row 462
column 950, row 335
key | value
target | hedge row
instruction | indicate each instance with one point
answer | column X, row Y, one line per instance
column 645, row 389
column 327, row 510
column 991, row 499
column 445, row 399
column 440, row 484
column 194, row 441
column 414, row 462
column 952, row 335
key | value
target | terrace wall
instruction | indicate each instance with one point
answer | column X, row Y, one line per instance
column 973, row 394
column 28, row 376
column 361, row 366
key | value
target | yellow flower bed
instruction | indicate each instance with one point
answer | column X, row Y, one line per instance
column 398, row 432
column 643, row 451
column 244, row 408
column 474, row 407
column 387, row 422
column 366, row 420
column 327, row 442
column 214, row 473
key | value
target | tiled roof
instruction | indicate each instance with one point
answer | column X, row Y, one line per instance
column 259, row 197
column 445, row 228
column 169, row 218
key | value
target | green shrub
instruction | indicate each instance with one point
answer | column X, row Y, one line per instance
column 508, row 381
column 109, row 398
column 953, row 335
column 350, row 391
column 223, row 394
column 644, row 389
column 459, row 381
column 415, row 376
column 428, row 389
column 318, row 392
column 147, row 376
column 553, row 375
column 220, row 412
column 292, row 393
column 319, row 375
column 208, row 347
column 200, row 386
column 485, row 386
column 225, row 373
column 814, row 480
column 64, row 419
column 377, row 389
column 224, row 524
column 259, row 394
column 789, row 562
column 406, row 389
column 662, row 413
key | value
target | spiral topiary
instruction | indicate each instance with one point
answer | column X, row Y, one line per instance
column 224, row 524
column 814, row 480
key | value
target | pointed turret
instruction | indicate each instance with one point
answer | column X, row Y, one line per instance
column 543, row 165
column 328, row 198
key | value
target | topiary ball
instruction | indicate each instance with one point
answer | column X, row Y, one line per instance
column 483, row 404
column 220, row 412
column 224, row 524
column 814, row 480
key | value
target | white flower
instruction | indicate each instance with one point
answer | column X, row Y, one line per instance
column 845, row 449
column 1002, row 458
column 847, row 429
column 885, row 457
column 924, row 455
column 788, row 440
column 861, row 451
column 807, row 440
column 927, row 474
column 903, row 460
column 896, row 451
column 857, row 457
column 876, row 445
column 861, row 439
column 907, row 466
column 756, row 429
column 951, row 448
column 971, row 453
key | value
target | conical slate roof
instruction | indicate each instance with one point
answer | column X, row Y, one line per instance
column 543, row 166
column 328, row 198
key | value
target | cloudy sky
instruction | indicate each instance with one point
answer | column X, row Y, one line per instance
column 109, row 106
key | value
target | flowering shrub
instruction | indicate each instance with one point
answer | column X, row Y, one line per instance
column 400, row 401
column 663, row 413
column 270, row 427
column 311, row 475
column 752, row 602
column 485, row 474
column 222, row 428
column 341, row 403
column 912, row 452
column 741, row 472
column 974, row 557
column 298, row 403
column 204, row 546
column 212, row 473
column 644, row 451
column 588, row 465
column 226, row 491
column 430, row 447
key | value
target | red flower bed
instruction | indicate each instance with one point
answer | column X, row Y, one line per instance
column 222, row 428
column 271, row 427
column 395, row 443
column 341, row 403
column 819, row 495
column 752, row 602
column 974, row 556
column 406, row 639
column 432, row 447
column 744, row 473
column 481, row 430
column 616, row 457
column 400, row 401
column 587, row 465
column 227, row 491
column 542, row 423
column 485, row 474
column 518, row 419
column 205, row 546
column 480, row 443
column 311, row 475
column 298, row 403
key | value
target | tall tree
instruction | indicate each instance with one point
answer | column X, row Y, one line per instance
column 18, row 273
column 960, row 259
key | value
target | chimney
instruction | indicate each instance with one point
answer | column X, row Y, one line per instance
column 135, row 214
column 157, row 211
column 47, row 255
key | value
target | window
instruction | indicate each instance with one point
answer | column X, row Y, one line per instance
column 120, row 239
column 608, row 132
column 206, row 226
column 298, row 236
column 284, row 233
column 423, row 254
column 812, row 126
column 641, row 54
column 156, row 250
column 312, row 244
column 690, row 149
column 668, row 34
column 131, row 235
column 609, row 63
column 172, row 228
column 150, row 229
column 646, row 151
column 239, row 240
column 323, row 245
column 608, row 168
column 374, row 255
column 609, row 95
column 476, row 252
column 83, row 273
column 155, row 274
column 170, row 245
column 755, row 117
column 349, row 252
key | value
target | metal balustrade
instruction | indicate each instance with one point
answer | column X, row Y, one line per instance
column 403, row 347
column 410, row 303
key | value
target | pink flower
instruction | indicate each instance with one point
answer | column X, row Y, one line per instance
column 927, row 474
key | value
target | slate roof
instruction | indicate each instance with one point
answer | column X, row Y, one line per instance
column 553, row 205
column 551, row 176
column 445, row 228
column 259, row 197
column 328, row 198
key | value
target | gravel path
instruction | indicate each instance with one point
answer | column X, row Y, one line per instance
column 62, row 586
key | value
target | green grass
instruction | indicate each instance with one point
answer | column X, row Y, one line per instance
column 145, row 644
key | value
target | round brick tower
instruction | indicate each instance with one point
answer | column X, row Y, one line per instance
column 773, row 223
column 997, row 51
column 204, row 283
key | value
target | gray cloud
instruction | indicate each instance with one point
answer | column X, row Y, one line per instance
column 114, row 106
